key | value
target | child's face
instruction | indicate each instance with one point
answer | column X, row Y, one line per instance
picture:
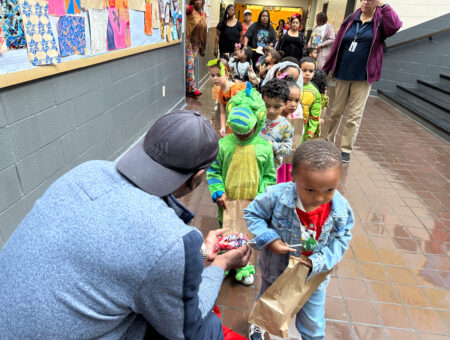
column 313, row 54
column 216, row 78
column 274, row 107
column 291, row 71
column 315, row 187
column 242, row 57
column 308, row 71
column 294, row 100
column 269, row 60
column 247, row 135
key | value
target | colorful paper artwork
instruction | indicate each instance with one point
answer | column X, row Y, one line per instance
column 13, row 32
column 71, row 35
column 73, row 6
column 41, row 44
column 155, row 13
column 3, row 47
column 56, row 8
column 98, row 22
column 137, row 5
column 97, row 4
column 148, row 18
column 118, row 32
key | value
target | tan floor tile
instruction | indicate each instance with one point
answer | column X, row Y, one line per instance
column 425, row 320
column 352, row 288
column 375, row 229
column 439, row 262
column 236, row 320
column 438, row 298
column 428, row 336
column 364, row 332
column 382, row 292
column 393, row 315
column 415, row 260
column 335, row 309
column 333, row 287
column 373, row 271
column 401, row 275
column 429, row 278
column 412, row 296
column 396, row 230
column 445, row 317
column 362, row 312
column 338, row 331
column 401, row 334
column 391, row 257
column 348, row 255
column 361, row 241
column 365, row 254
column 347, row 269
column 380, row 242
column 407, row 244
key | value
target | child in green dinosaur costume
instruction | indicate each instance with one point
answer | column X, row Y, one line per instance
column 244, row 166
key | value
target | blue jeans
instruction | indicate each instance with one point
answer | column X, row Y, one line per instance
column 310, row 320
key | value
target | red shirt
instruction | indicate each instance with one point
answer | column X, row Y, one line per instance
column 317, row 218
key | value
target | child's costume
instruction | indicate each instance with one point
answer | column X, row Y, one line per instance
column 273, row 215
column 280, row 132
column 312, row 106
column 240, row 70
column 242, row 168
column 224, row 97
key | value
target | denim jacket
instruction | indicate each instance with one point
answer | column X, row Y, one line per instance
column 272, row 215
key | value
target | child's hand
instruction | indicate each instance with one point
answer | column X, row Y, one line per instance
column 222, row 132
column 307, row 262
column 279, row 247
column 222, row 201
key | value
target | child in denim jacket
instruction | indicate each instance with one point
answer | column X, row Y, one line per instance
column 308, row 211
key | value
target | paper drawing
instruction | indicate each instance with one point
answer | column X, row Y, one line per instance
column 71, row 35
column 98, row 22
column 56, row 8
column 148, row 18
column 3, row 47
column 10, row 17
column 72, row 6
column 118, row 32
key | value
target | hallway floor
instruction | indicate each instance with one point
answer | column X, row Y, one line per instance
column 394, row 280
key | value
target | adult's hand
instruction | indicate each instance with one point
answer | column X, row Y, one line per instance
column 232, row 259
column 216, row 52
column 211, row 241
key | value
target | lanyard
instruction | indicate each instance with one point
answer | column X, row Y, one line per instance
column 359, row 30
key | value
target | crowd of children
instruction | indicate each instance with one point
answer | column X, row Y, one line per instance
column 257, row 120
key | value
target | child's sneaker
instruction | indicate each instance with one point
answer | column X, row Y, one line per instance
column 248, row 281
column 256, row 333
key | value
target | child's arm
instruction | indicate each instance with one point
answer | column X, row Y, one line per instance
column 334, row 249
column 257, row 218
column 231, row 62
column 223, row 119
column 314, row 119
column 269, row 177
column 214, row 177
column 285, row 146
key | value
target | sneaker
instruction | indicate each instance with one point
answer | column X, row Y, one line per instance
column 256, row 333
column 345, row 157
column 248, row 281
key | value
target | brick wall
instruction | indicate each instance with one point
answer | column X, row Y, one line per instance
column 49, row 126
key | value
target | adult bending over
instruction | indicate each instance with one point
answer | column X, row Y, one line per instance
column 291, row 43
column 106, row 252
column 356, row 60
column 228, row 33
column 260, row 34
column 196, row 33
column 322, row 38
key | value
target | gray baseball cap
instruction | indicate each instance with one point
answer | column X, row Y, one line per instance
column 174, row 148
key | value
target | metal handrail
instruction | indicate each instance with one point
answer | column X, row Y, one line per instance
column 428, row 35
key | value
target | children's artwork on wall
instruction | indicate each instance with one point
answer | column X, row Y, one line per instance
column 155, row 13
column 13, row 32
column 179, row 25
column 71, row 35
column 148, row 18
column 3, row 47
column 42, row 49
column 97, row 4
column 73, row 6
column 167, row 13
column 118, row 32
column 98, row 20
column 56, row 8
column 137, row 5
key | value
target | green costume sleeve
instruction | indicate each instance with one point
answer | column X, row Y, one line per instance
column 214, row 176
column 314, row 117
column 269, row 175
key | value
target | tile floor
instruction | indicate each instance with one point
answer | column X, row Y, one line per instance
column 394, row 280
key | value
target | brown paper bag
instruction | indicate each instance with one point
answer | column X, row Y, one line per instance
column 233, row 217
column 276, row 307
column 297, row 123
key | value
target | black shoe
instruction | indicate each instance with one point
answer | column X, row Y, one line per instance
column 345, row 157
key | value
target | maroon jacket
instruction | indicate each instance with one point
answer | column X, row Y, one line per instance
column 385, row 23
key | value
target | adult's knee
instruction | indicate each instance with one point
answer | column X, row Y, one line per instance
column 211, row 329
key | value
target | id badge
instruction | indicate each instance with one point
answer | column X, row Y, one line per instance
column 353, row 46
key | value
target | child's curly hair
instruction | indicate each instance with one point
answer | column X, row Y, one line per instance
column 320, row 80
column 276, row 88
column 248, row 52
column 276, row 56
column 317, row 155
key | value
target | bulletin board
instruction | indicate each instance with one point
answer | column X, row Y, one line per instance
column 39, row 38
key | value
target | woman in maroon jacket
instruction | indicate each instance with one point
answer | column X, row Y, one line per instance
column 356, row 60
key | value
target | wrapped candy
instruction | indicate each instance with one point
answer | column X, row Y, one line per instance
column 231, row 241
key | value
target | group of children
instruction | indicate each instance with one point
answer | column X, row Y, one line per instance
column 257, row 137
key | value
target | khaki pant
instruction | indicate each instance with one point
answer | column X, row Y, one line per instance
column 353, row 96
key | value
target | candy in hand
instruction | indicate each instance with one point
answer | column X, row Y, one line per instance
column 231, row 241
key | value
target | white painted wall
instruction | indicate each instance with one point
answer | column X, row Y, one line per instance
column 414, row 12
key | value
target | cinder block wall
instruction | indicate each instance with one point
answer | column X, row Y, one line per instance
column 49, row 126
